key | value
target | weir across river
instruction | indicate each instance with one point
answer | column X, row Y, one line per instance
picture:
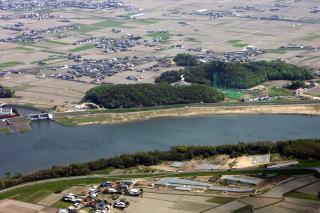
column 40, row 116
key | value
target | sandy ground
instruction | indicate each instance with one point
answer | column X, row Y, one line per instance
column 168, row 203
column 312, row 189
column 44, row 92
column 287, row 207
column 112, row 118
column 278, row 191
column 13, row 206
column 257, row 202
column 229, row 207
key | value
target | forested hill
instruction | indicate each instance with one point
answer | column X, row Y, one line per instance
column 140, row 95
column 243, row 75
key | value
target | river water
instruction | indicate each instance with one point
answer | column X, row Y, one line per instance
column 50, row 144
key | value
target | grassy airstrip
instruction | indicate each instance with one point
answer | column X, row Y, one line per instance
column 85, row 47
column 10, row 64
column 310, row 37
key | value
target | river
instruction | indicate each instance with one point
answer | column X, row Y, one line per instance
column 50, row 144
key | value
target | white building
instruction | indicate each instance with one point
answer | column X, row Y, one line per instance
column 5, row 111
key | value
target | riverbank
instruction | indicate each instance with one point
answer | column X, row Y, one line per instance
column 116, row 118
column 14, row 125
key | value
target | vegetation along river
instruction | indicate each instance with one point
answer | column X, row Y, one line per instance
column 50, row 144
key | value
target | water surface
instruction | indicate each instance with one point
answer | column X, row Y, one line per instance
column 50, row 144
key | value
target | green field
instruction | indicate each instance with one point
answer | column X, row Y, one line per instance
column 240, row 45
column 157, row 34
column 231, row 93
column 276, row 91
column 309, row 163
column 53, row 52
column 35, row 193
column 143, row 21
column 85, row 47
column 233, row 41
column 311, row 58
column 10, row 64
column 28, row 43
column 277, row 52
column 106, row 24
column 24, row 48
column 301, row 195
column 245, row 209
column 310, row 37
column 57, row 42
column 220, row 200
column 61, row 204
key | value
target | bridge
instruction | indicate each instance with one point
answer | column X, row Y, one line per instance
column 40, row 116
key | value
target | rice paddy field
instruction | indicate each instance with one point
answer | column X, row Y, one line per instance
column 221, row 35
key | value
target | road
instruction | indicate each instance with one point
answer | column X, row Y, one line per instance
column 82, row 113
column 316, row 170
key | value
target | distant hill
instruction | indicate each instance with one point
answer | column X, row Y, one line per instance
column 241, row 75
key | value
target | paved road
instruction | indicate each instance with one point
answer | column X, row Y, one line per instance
column 315, row 169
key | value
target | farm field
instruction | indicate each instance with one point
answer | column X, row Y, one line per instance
column 170, row 28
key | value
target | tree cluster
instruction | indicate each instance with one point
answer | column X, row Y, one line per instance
column 304, row 149
column 169, row 77
column 296, row 85
column 141, row 95
column 6, row 92
column 184, row 59
column 244, row 75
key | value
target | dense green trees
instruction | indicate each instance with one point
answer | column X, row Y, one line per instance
column 184, row 59
column 301, row 149
column 244, row 75
column 139, row 95
column 6, row 92
column 169, row 77
column 296, row 85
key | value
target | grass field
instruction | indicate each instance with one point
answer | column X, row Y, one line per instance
column 44, row 60
column 240, row 45
column 276, row 91
column 220, row 200
column 309, row 163
column 233, row 94
column 106, row 24
column 35, row 193
column 53, row 52
column 57, row 42
column 28, row 43
column 61, row 204
column 310, row 37
column 24, row 48
column 311, row 58
column 144, row 21
column 245, row 209
column 85, row 47
column 277, row 52
column 302, row 195
column 158, row 34
column 10, row 64
column 233, row 41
